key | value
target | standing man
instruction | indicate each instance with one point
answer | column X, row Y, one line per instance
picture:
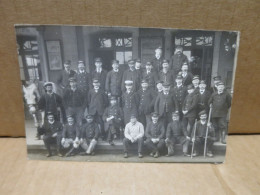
column 175, row 134
column 52, row 132
column 189, row 109
column 150, row 75
column 187, row 76
column 155, row 133
column 129, row 101
column 132, row 75
column 157, row 61
column 165, row 104
column 83, row 78
column 75, row 101
column 166, row 75
column 138, row 67
column 146, row 97
column 97, row 103
column 216, row 79
column 51, row 102
column 134, row 132
column 113, row 120
column 195, row 83
column 178, row 59
column 203, row 96
column 114, row 80
column 159, row 87
column 99, row 73
column 221, row 102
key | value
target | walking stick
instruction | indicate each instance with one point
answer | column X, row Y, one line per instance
column 193, row 143
column 207, row 132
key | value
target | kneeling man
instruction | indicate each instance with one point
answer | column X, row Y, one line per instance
column 134, row 132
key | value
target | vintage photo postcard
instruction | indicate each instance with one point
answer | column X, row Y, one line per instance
column 126, row 94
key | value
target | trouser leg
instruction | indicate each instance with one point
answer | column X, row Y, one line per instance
column 58, row 141
column 222, row 123
column 151, row 145
column 47, row 142
column 140, row 142
column 216, row 127
column 92, row 146
column 191, row 121
column 160, row 145
column 126, row 143
column 170, row 146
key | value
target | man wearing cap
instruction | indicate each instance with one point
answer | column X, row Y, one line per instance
column 99, row 73
column 178, row 59
column 158, row 58
column 129, row 101
column 159, row 87
column 166, row 75
column 150, row 75
column 216, row 79
column 138, row 67
column 195, row 83
column 221, row 102
column 63, row 79
column 114, row 80
column 51, row 102
column 176, row 134
column 132, row 75
column 82, row 78
column 186, row 75
column 165, row 104
column 200, row 135
column 189, row 109
column 97, row 103
column 134, row 132
column 89, row 135
column 146, row 97
column 70, row 136
column 113, row 119
column 203, row 96
column 155, row 133
column 52, row 131
column 180, row 92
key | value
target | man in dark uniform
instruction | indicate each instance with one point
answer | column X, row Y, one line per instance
column 157, row 61
column 51, row 102
column 138, row 67
column 97, row 103
column 187, row 76
column 155, row 133
column 83, row 78
column 165, row 104
column 195, row 83
column 99, row 73
column 89, row 135
column 63, row 79
column 200, row 136
column 178, row 59
column 216, row 79
column 70, row 136
column 221, row 102
column 175, row 134
column 189, row 110
column 180, row 92
column 146, row 97
column 129, row 101
column 203, row 96
column 113, row 120
column 52, row 131
column 159, row 87
column 132, row 75
column 166, row 75
column 150, row 75
column 114, row 80
column 75, row 101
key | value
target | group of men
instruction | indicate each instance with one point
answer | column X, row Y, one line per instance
column 156, row 104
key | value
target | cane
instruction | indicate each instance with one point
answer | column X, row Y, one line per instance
column 207, row 131
column 193, row 143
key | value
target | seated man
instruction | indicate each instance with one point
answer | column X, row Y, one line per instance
column 52, row 131
column 200, row 135
column 155, row 136
column 176, row 134
column 134, row 132
column 89, row 135
column 70, row 136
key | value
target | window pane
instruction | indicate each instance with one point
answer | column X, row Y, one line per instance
column 128, row 56
column 187, row 41
column 33, row 73
column 31, row 60
column 128, row 42
column 104, row 42
column 120, row 57
column 119, row 42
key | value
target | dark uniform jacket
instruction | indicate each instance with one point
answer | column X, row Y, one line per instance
column 133, row 76
column 187, row 79
column 220, row 104
column 180, row 93
column 146, row 101
column 190, row 104
column 115, row 111
column 113, row 82
column 156, row 130
column 83, row 81
column 74, row 98
column 168, row 77
column 165, row 103
column 101, row 77
column 90, row 131
column 203, row 101
column 50, row 129
column 97, row 102
column 129, row 103
column 71, row 131
column 152, row 78
column 177, row 61
column 201, row 130
column 63, row 79
column 157, row 64
column 175, row 129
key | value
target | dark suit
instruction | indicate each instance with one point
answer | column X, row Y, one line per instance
column 100, row 76
column 177, row 61
column 157, row 64
column 129, row 103
column 133, row 76
column 83, row 82
column 113, row 83
column 203, row 101
column 180, row 93
column 63, row 79
column 152, row 78
column 187, row 79
column 168, row 77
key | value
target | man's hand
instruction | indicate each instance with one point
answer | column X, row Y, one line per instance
column 166, row 140
column 187, row 137
column 209, row 124
column 63, row 141
column 54, row 135
column 133, row 140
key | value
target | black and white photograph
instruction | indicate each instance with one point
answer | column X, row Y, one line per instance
column 126, row 94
